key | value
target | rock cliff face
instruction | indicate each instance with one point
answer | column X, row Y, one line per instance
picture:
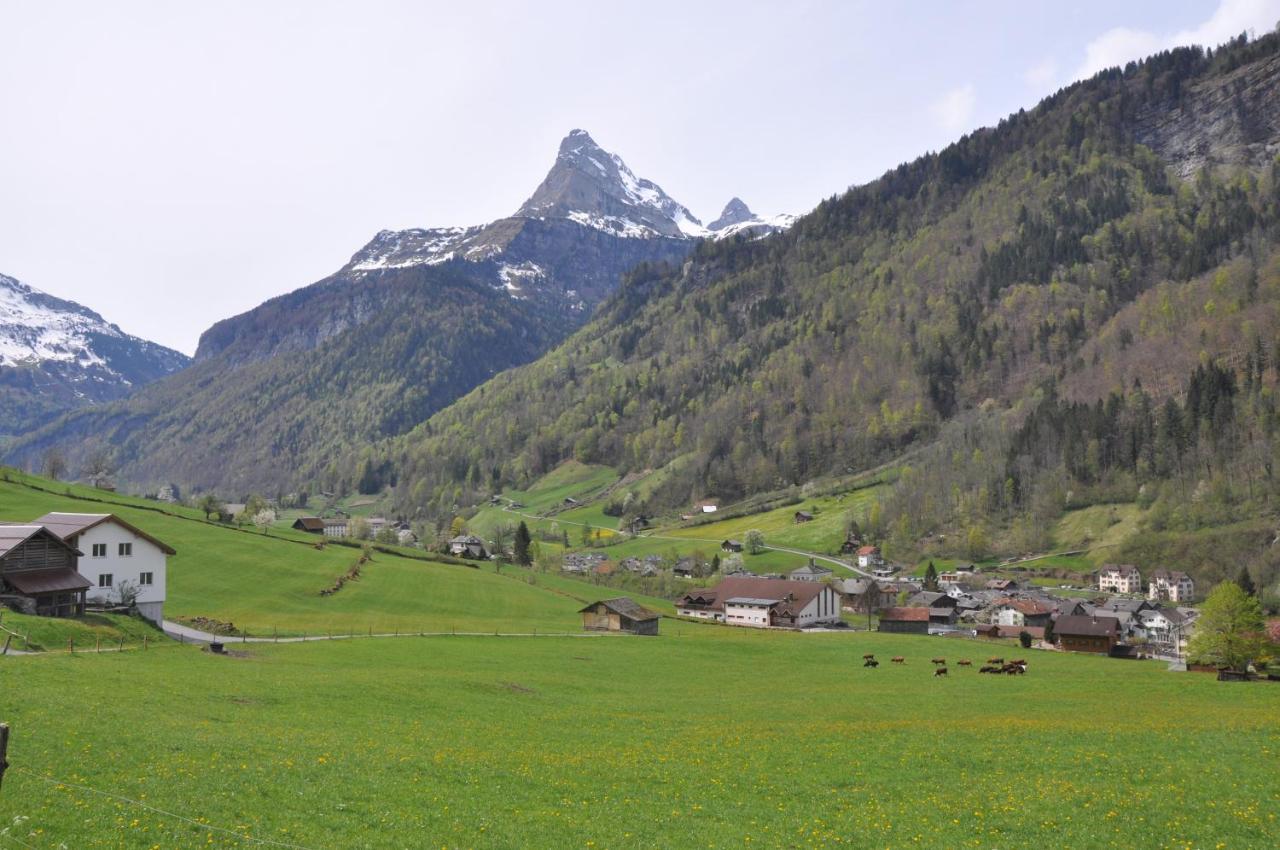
column 1232, row 119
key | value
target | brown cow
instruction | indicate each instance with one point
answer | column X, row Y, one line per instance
column 964, row 662
column 941, row 671
column 987, row 668
column 898, row 659
column 868, row 656
column 995, row 660
column 939, row 661
column 1021, row 661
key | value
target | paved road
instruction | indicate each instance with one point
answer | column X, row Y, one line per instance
column 177, row 631
column 650, row 536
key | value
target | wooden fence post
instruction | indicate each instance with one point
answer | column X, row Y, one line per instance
column 4, row 748
column 7, row 640
column 97, row 643
column 144, row 641
column 71, row 645
column 120, row 648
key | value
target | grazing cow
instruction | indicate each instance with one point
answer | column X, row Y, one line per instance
column 941, row 671
column 868, row 656
column 964, row 662
column 898, row 659
column 938, row 661
column 987, row 668
column 1020, row 661
column 995, row 660
column 871, row 662
column 1013, row 669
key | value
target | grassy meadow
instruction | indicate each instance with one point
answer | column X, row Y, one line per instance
column 717, row 738
column 272, row 582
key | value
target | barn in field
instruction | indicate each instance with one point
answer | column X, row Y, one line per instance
column 619, row 615
column 38, row 572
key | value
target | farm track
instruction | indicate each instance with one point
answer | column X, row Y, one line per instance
column 814, row 555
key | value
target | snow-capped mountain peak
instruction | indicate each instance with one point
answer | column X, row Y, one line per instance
column 594, row 187
column 737, row 218
column 56, row 355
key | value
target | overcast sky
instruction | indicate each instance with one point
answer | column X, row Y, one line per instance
column 171, row 164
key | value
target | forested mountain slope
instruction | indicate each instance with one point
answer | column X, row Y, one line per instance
column 416, row 318
column 1099, row 238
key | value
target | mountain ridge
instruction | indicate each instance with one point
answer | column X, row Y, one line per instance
column 285, row 365
column 57, row 355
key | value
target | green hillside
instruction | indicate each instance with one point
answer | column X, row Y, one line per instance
column 723, row 738
column 1008, row 321
column 271, row 583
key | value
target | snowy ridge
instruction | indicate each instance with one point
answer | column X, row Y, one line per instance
column 587, row 186
column 36, row 328
column 398, row 249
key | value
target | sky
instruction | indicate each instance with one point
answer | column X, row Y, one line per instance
column 173, row 164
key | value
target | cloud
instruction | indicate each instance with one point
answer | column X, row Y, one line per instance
column 1041, row 76
column 1232, row 17
column 954, row 110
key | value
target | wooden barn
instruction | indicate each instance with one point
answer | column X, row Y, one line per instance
column 309, row 524
column 619, row 615
column 38, row 572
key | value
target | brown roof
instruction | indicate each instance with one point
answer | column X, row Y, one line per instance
column 1122, row 569
column 310, row 523
column 1036, row 632
column 868, row 550
column 12, row 536
column 69, row 526
column 908, row 614
column 793, row 595
column 625, row 607
column 1077, row 625
column 32, row 582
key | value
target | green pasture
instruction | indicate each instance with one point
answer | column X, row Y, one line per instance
column 717, row 738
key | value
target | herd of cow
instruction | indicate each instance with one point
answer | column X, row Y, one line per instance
column 1016, row 667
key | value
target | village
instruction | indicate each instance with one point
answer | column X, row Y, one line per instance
column 62, row 564
column 1119, row 614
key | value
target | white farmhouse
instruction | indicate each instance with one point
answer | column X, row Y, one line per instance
column 115, row 555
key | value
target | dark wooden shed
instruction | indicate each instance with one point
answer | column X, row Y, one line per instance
column 619, row 615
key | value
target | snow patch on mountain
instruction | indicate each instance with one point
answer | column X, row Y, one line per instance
column 36, row 328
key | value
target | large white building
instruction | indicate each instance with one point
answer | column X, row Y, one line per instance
column 1120, row 578
column 763, row 602
column 1171, row 586
column 115, row 557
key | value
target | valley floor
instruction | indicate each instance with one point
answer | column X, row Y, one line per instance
column 714, row 738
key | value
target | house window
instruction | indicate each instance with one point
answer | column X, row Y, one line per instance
column 104, row 579
column 126, row 550
column 99, row 550
column 146, row 579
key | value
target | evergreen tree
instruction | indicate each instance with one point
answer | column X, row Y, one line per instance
column 1245, row 581
column 522, row 541
column 931, row 578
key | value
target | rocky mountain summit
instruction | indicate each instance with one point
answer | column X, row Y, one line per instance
column 589, row 222
column 56, row 355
